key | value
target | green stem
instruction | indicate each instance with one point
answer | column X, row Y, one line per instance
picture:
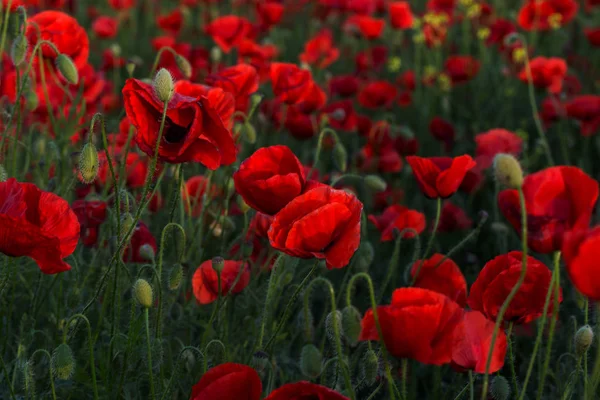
column 45, row 352
column 149, row 344
column 268, row 300
column 6, row 376
column 590, row 394
column 5, row 26
column 511, row 358
column 90, row 349
column 471, row 387
column 431, row 240
column 404, row 372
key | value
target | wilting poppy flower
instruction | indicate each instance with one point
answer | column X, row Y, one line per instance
column 496, row 280
column 290, row 83
column 194, row 131
column 443, row 131
column 105, row 27
column 322, row 223
column 228, row 31
column 547, row 73
column 442, row 275
column 377, row 94
column 543, row 15
column 472, row 345
column 461, row 69
column 320, row 50
column 440, row 176
column 580, row 252
column 556, row 199
column 36, row 224
column 585, row 109
column 141, row 236
column 64, row 32
column 401, row 16
column 453, row 218
column 90, row 214
column 270, row 178
column 493, row 142
column 432, row 317
column 228, row 381
column 397, row 217
column 303, row 391
column 192, row 193
column 206, row 285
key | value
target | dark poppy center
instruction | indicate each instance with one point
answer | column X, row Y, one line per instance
column 175, row 133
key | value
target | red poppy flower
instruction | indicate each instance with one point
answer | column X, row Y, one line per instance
column 499, row 30
column 240, row 80
column 442, row 6
column 580, row 252
column 260, row 224
column 303, row 391
column 343, row 85
column 90, row 214
column 472, row 345
column 461, row 69
column 141, row 236
column 401, row 16
column 270, row 178
column 370, row 28
column 377, row 94
column 105, row 27
column 270, row 14
column 313, row 100
column 205, row 281
column 547, row 73
column 300, row 125
column 122, row 4
column 432, row 317
column 171, row 23
column 322, row 223
column 543, row 15
column 440, row 176
column 64, row 31
column 493, row 142
column 290, row 83
column 443, row 131
column 136, row 169
column 398, row 217
column 194, row 130
column 556, row 199
column 228, row 381
column 192, row 193
column 371, row 59
column 36, row 224
column 228, row 31
column 593, row 36
column 442, row 276
column 320, row 50
column 382, row 158
column 496, row 280
column 585, row 109
column 341, row 115
column 453, row 218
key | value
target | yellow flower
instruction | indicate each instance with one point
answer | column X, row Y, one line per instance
column 429, row 72
column 483, row 33
column 394, row 64
column 466, row 3
column 474, row 11
column 519, row 55
column 419, row 37
column 417, row 23
column 445, row 82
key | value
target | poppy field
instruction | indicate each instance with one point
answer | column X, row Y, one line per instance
column 299, row 199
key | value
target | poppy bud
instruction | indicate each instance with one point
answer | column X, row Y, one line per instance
column 175, row 277
column 366, row 253
column 499, row 388
column 370, row 367
column 3, row 174
column 130, row 67
column 218, row 263
column 260, row 359
column 216, row 54
column 244, row 207
column 22, row 16
column 126, row 224
column 143, row 293
column 184, row 66
column 18, row 50
column 330, row 328
column 351, row 319
column 375, row 183
column 88, row 163
column 340, row 156
column 583, row 340
column 311, row 361
column 249, row 133
column 31, row 100
column 146, row 252
column 63, row 362
column 163, row 85
column 67, row 68
column 255, row 99
column 507, row 171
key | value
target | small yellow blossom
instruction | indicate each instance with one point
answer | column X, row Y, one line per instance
column 474, row 11
column 519, row 55
column 445, row 82
column 394, row 64
column 483, row 33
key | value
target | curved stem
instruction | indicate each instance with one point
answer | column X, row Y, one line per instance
column 45, row 352
column 149, row 345
column 320, row 147
column 176, row 368
column 431, row 240
column 90, row 347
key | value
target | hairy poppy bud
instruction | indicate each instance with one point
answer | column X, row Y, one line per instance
column 375, row 183
column 340, row 157
column 184, row 66
column 249, row 133
column 330, row 328
column 31, row 100
column 63, row 362
column 88, row 163
column 22, row 16
column 147, row 252
column 126, row 224
column 216, row 54
column 244, row 207
column 583, row 340
column 366, row 253
column 218, row 263
column 499, row 388
column 130, row 67
column 175, row 277
column 260, row 359
column 18, row 50
column 163, row 85
column 370, row 367
column 351, row 319
column 3, row 174
column 311, row 361
column 67, row 68
column 507, row 171
column 143, row 293
column 255, row 99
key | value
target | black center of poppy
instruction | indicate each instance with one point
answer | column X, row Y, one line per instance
column 175, row 133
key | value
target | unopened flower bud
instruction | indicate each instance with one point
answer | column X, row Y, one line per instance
column 365, row 256
column 163, row 85
column 88, row 163
column 311, row 361
column 130, row 67
column 3, row 174
column 126, row 224
column 31, row 100
column 184, row 66
column 375, row 183
column 216, row 54
column 255, row 99
column 143, row 293
column 351, row 328
column 249, row 133
column 370, row 367
column 507, row 171
column 340, row 157
column 175, row 277
column 218, row 263
column 244, row 207
column 583, row 340
column 330, row 328
column 67, row 68
column 146, row 252
column 500, row 388
column 63, row 362
column 18, row 50
column 260, row 360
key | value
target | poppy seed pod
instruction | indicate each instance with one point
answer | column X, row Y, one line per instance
column 499, row 388
column 184, row 66
column 583, row 340
column 351, row 325
column 340, row 157
column 67, row 68
column 88, row 163
column 311, row 361
column 218, row 263
column 370, row 367
column 508, row 171
column 163, row 85
column 175, row 277
column 143, row 293
column 330, row 328
column 63, row 362
column 375, row 183
column 18, row 50
column 3, row 174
